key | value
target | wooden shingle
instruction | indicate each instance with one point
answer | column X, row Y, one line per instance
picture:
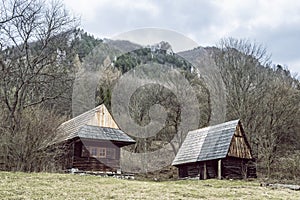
column 209, row 143
column 103, row 133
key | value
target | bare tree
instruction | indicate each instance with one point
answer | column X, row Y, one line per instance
column 241, row 64
column 30, row 148
column 266, row 100
column 32, row 60
column 34, row 65
column 280, row 114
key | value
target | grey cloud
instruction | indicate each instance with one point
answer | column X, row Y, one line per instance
column 284, row 44
column 182, row 16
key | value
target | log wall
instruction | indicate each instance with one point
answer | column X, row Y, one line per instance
column 79, row 157
column 236, row 168
column 231, row 168
column 94, row 164
column 196, row 170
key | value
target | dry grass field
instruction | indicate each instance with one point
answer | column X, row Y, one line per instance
column 68, row 186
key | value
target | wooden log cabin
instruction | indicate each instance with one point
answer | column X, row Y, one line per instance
column 93, row 141
column 220, row 151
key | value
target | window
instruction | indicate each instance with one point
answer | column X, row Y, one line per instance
column 92, row 151
column 102, row 152
column 111, row 153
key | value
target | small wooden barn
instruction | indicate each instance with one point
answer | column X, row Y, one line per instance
column 220, row 151
column 93, row 141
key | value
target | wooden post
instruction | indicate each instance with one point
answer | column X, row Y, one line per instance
column 219, row 169
column 73, row 150
column 204, row 171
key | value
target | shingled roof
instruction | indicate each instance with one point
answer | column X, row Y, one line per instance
column 96, row 123
column 207, row 143
column 102, row 133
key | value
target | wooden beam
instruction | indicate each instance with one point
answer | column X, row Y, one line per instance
column 220, row 169
column 73, row 151
column 204, row 171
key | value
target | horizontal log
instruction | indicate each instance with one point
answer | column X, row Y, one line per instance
column 278, row 185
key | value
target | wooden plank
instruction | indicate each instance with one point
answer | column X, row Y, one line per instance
column 193, row 170
column 103, row 118
column 211, row 168
column 91, row 163
column 73, row 151
column 183, row 172
column 204, row 171
column 220, row 169
column 239, row 147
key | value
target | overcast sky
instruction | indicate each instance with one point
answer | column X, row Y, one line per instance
column 275, row 24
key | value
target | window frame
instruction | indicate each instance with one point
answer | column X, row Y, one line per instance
column 94, row 151
column 101, row 150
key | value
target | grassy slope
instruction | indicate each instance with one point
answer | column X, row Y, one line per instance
column 67, row 186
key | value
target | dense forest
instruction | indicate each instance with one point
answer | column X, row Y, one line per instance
column 44, row 60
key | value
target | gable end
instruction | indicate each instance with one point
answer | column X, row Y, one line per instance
column 239, row 146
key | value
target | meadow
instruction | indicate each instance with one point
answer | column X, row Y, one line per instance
column 17, row 185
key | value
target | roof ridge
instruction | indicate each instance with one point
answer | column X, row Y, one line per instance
column 215, row 126
column 101, row 127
